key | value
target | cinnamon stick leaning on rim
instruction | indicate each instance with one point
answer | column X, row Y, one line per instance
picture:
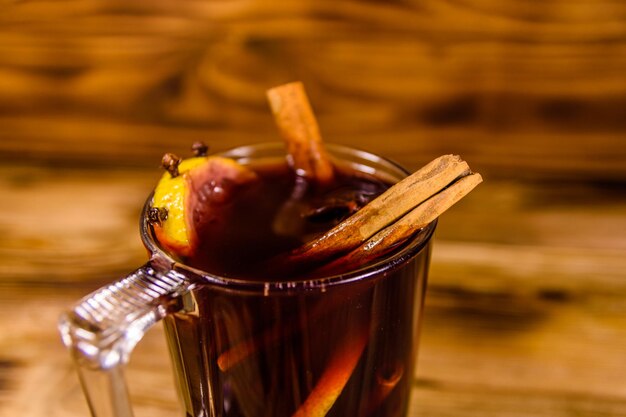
column 398, row 232
column 426, row 194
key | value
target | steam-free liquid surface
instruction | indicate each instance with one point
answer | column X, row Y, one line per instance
column 273, row 215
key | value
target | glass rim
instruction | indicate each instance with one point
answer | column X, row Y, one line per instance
column 386, row 264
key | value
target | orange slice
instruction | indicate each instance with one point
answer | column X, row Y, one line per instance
column 335, row 377
column 187, row 199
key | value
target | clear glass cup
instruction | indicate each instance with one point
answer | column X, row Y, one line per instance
column 342, row 345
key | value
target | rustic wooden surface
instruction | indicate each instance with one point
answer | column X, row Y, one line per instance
column 526, row 310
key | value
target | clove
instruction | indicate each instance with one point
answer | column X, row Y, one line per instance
column 157, row 215
column 170, row 162
column 200, row 149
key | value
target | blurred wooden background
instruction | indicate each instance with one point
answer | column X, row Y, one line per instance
column 526, row 312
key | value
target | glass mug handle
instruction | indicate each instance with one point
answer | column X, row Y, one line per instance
column 104, row 327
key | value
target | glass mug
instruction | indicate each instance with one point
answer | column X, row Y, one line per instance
column 342, row 345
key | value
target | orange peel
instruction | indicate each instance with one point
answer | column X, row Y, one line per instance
column 333, row 380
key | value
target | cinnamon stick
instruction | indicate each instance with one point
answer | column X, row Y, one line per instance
column 298, row 127
column 389, row 237
column 382, row 211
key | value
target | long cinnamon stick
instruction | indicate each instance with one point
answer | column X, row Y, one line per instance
column 382, row 211
column 298, row 127
column 389, row 237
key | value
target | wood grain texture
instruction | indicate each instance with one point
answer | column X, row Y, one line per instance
column 526, row 307
column 512, row 85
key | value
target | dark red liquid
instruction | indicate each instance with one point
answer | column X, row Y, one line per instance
column 273, row 215
column 267, row 353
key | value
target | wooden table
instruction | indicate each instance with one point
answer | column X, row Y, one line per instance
column 526, row 308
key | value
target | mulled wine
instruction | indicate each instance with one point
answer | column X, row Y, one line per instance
column 296, row 343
